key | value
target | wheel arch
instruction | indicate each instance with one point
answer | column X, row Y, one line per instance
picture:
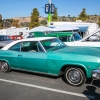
column 1, row 60
column 74, row 65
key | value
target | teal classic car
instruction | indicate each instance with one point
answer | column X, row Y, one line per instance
column 63, row 36
column 66, row 36
column 48, row 55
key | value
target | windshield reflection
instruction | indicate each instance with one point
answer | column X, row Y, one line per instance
column 77, row 37
column 52, row 44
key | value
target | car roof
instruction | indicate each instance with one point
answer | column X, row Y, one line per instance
column 27, row 39
column 61, row 34
column 3, row 35
column 36, row 39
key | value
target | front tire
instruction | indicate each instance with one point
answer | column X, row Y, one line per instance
column 5, row 67
column 74, row 76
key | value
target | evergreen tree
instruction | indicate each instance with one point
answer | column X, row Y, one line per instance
column 34, row 19
column 83, row 16
column 7, row 23
column 43, row 22
column 24, row 24
column 55, row 15
column 1, row 24
column 15, row 23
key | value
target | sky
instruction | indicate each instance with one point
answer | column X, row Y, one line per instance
column 23, row 8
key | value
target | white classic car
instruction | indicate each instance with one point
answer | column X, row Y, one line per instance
column 92, row 39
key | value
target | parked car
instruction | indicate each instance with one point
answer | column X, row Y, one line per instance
column 4, row 40
column 66, row 37
column 16, row 37
column 74, row 39
column 49, row 55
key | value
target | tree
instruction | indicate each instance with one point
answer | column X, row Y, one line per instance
column 34, row 19
column 63, row 18
column 24, row 24
column 55, row 15
column 1, row 24
column 99, row 22
column 7, row 23
column 83, row 16
column 43, row 22
column 15, row 23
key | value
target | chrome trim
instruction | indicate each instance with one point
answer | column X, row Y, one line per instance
column 42, row 46
column 96, row 74
column 37, row 72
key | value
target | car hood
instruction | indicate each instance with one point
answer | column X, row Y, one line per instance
column 90, row 51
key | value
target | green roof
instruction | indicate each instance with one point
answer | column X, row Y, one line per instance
column 39, row 34
column 60, row 34
column 52, row 34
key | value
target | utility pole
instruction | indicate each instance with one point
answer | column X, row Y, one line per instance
column 49, row 14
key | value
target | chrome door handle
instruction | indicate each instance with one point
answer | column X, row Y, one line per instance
column 19, row 55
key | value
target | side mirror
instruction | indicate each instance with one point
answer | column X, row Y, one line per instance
column 94, row 38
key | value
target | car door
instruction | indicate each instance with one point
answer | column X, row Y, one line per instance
column 32, row 57
column 90, row 44
column 12, row 54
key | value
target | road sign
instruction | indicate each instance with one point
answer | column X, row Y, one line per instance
column 47, row 8
column 52, row 8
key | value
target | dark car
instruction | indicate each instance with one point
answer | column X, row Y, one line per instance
column 4, row 40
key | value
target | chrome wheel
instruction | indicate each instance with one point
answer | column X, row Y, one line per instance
column 74, row 76
column 5, row 67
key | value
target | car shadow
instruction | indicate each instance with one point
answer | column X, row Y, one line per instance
column 91, row 94
column 36, row 74
column 96, row 83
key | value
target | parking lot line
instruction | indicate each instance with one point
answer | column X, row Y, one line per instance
column 49, row 89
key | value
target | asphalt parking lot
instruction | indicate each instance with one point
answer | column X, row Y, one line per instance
column 18, row 85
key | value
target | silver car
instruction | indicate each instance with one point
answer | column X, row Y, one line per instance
column 4, row 40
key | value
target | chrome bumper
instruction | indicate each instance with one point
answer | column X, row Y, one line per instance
column 96, row 74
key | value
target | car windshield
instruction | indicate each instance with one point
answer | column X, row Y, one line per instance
column 52, row 44
column 77, row 37
column 4, row 38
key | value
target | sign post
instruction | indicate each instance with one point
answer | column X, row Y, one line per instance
column 49, row 13
column 49, row 9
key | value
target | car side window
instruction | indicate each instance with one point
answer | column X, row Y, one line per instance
column 40, row 49
column 65, row 38
column 31, row 47
column 27, row 47
column 15, row 47
column 1, row 38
